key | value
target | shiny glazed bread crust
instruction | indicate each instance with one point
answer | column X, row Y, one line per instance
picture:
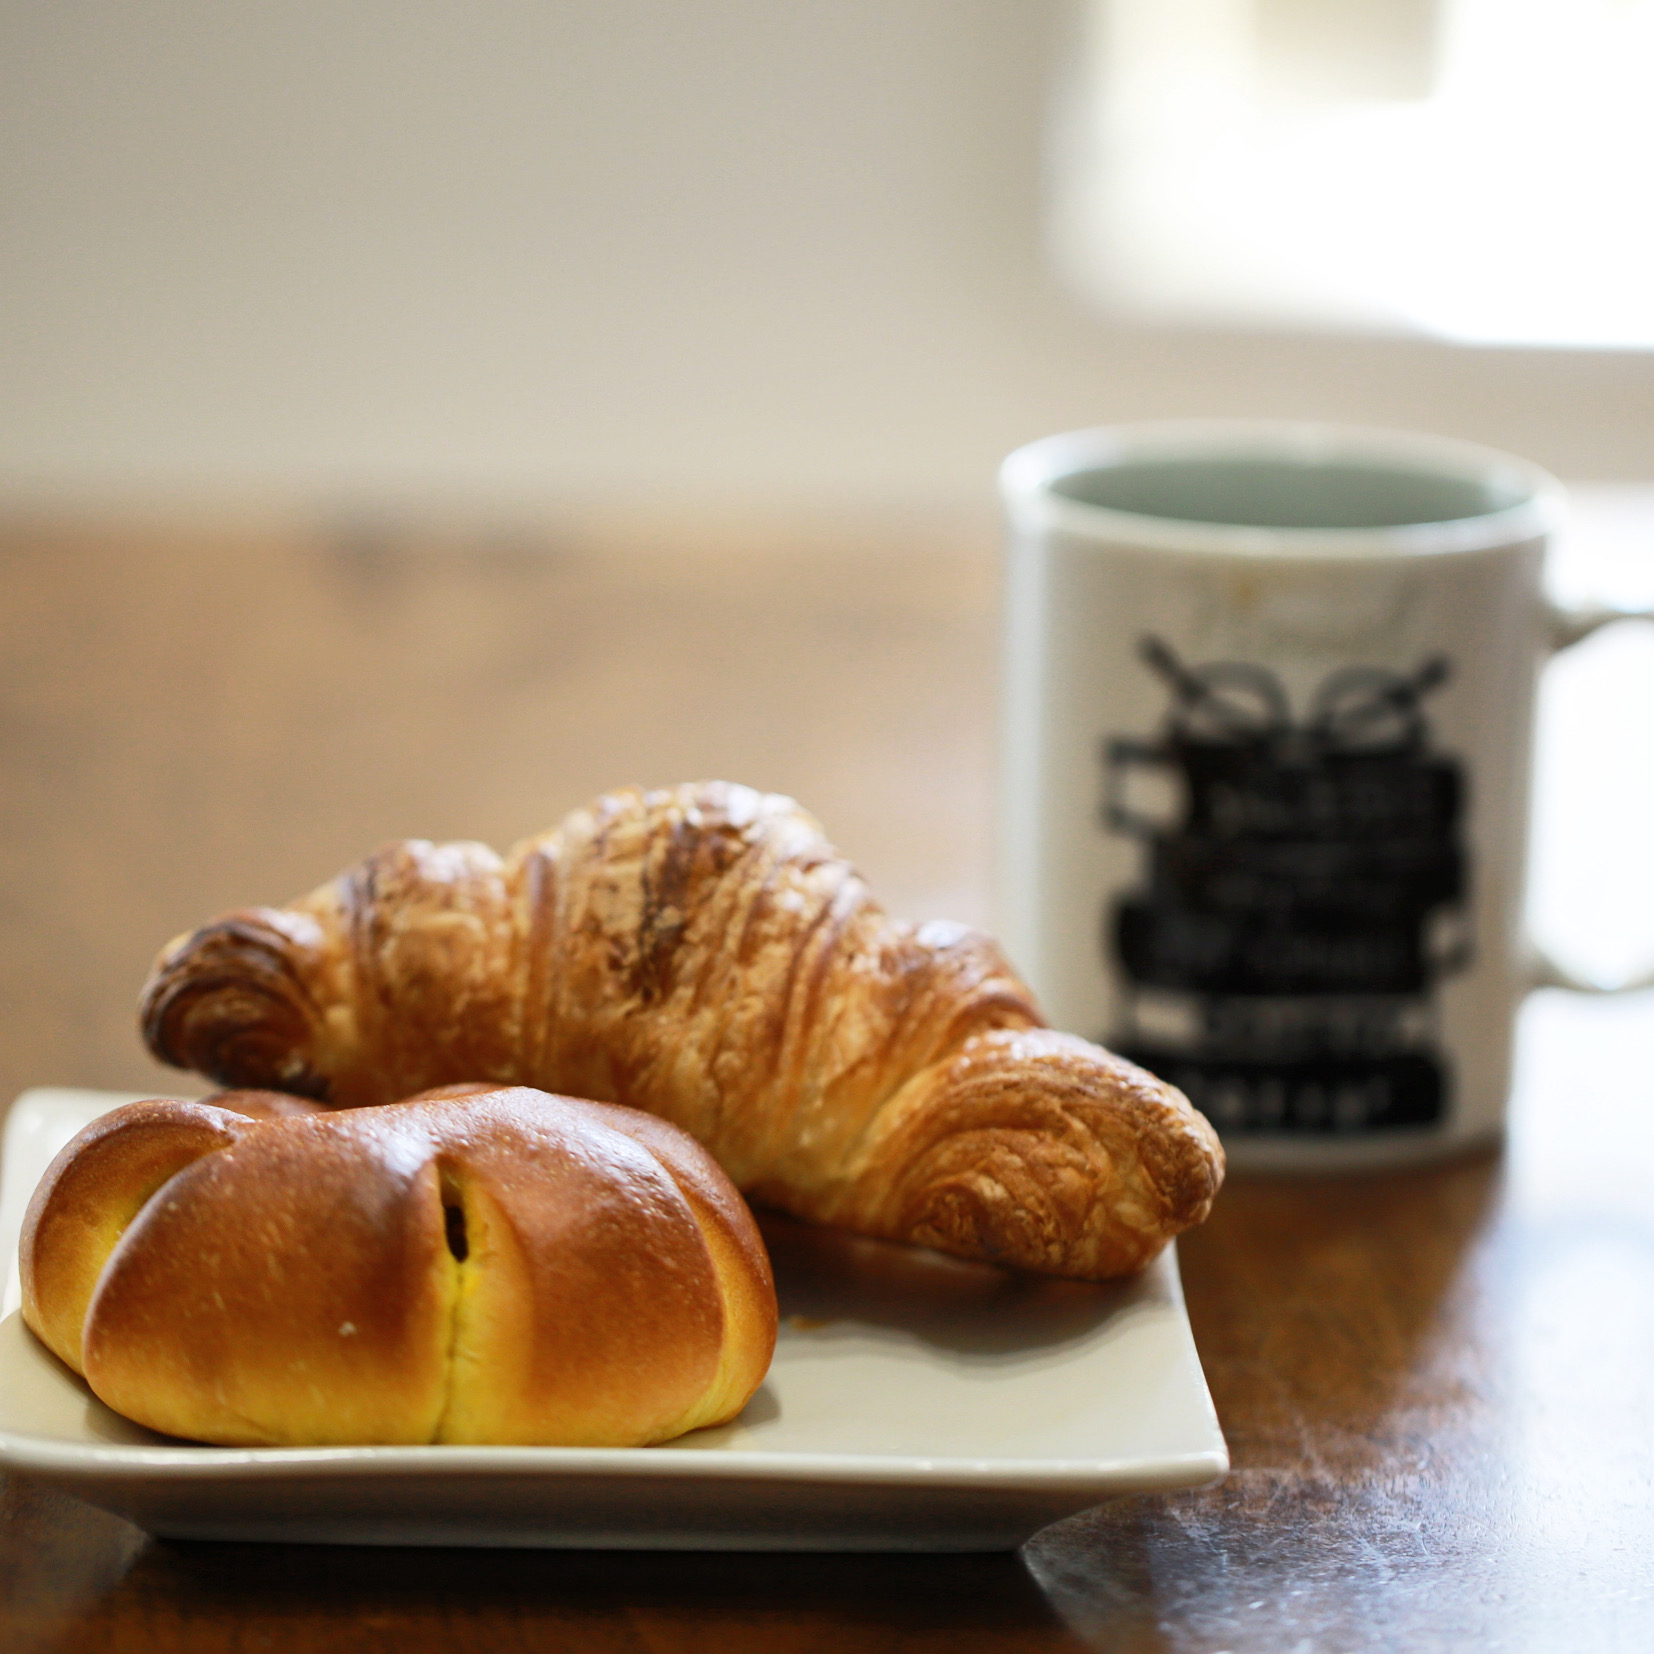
column 704, row 954
column 505, row 1267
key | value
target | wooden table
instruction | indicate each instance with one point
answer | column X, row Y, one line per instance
column 1438, row 1386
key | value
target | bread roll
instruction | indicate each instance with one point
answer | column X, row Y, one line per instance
column 501, row 1266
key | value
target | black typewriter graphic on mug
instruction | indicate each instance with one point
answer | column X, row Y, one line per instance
column 1305, row 890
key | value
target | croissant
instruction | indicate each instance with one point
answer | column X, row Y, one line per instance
column 703, row 953
column 506, row 1267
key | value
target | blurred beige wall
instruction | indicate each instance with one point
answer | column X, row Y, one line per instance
column 739, row 249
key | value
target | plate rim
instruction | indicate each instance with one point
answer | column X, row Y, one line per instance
column 207, row 1464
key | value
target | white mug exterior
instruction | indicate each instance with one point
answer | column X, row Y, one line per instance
column 1119, row 622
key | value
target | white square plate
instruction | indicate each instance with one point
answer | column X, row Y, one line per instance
column 915, row 1403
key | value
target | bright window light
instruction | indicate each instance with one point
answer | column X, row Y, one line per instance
column 1479, row 170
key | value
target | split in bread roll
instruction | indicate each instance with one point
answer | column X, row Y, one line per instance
column 502, row 1266
column 704, row 954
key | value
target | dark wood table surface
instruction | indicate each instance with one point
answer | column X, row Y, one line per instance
column 1437, row 1385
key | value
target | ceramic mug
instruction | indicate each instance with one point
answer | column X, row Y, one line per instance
column 1269, row 700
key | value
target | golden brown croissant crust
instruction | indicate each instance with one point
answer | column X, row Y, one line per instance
column 703, row 953
column 503, row 1267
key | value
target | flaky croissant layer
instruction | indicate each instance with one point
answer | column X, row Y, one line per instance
column 703, row 953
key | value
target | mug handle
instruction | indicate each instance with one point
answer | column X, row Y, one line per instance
column 1566, row 628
